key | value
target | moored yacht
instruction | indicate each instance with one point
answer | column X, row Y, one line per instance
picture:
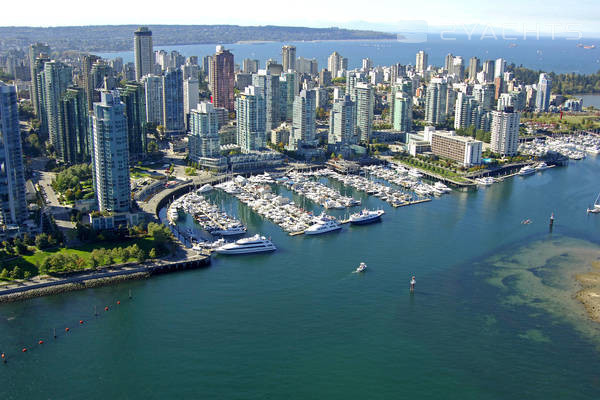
column 526, row 170
column 541, row 166
column 254, row 244
column 366, row 217
column 323, row 224
column 230, row 230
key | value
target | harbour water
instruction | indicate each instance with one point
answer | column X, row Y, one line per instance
column 492, row 316
column 558, row 55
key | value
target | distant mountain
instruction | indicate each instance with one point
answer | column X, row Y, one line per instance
column 120, row 37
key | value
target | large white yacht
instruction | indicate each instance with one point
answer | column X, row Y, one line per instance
column 323, row 224
column 366, row 217
column 254, row 244
column 526, row 170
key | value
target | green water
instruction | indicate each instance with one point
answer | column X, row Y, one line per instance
column 491, row 318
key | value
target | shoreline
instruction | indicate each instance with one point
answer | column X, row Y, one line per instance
column 589, row 295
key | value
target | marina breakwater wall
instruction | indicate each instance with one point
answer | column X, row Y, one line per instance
column 87, row 281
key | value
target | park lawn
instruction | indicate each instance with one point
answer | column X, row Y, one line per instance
column 570, row 119
column 85, row 251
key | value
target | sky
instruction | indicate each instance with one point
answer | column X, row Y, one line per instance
column 546, row 16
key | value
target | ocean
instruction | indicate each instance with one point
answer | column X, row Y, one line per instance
column 559, row 54
column 492, row 316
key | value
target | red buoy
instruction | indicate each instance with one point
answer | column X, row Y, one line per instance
column 41, row 342
column 118, row 302
column 105, row 308
column 24, row 349
column 81, row 321
column 66, row 329
column 3, row 355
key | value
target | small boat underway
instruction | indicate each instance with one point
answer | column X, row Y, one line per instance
column 323, row 224
column 596, row 207
column 366, row 217
column 254, row 244
column 526, row 170
column 361, row 268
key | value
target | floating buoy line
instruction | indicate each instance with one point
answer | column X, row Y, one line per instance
column 40, row 342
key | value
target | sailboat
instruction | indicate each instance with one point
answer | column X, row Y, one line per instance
column 596, row 208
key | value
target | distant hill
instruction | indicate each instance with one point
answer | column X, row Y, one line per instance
column 120, row 37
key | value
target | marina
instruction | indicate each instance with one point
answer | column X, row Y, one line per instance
column 328, row 198
column 575, row 147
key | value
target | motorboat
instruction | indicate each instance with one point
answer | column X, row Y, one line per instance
column 596, row 207
column 361, row 268
column 229, row 230
column 526, row 170
column 366, row 217
column 486, row 181
column 205, row 188
column 541, row 166
column 254, row 244
column 323, row 224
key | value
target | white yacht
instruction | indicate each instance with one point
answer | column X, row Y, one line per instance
column 323, row 224
column 541, row 166
column 254, row 244
column 230, row 230
column 361, row 268
column 526, row 170
column 366, row 217
column 205, row 188
column 488, row 180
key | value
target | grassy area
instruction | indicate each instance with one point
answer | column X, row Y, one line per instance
column 585, row 121
column 434, row 169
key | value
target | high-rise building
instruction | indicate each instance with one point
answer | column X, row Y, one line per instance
column 143, row 52
column 223, row 79
column 307, row 66
column 191, row 95
column 173, row 113
column 499, row 67
column 56, row 77
column 251, row 116
column 35, row 51
column 73, row 122
column 203, row 137
column 250, row 66
column 505, row 132
column 448, row 61
column 364, row 94
column 37, row 92
column 288, row 88
column 206, row 65
column 110, row 154
column 342, row 122
column 101, row 77
column 435, row 101
column 465, row 111
column 303, row 122
column 484, row 94
column 544, row 88
column 87, row 62
column 325, row 78
column 133, row 97
column 402, row 117
column 190, row 71
column 288, row 58
column 242, row 80
column 404, row 86
column 473, row 68
column 268, row 86
column 274, row 68
column 367, row 64
column 488, row 71
column 336, row 64
column 13, row 203
column 153, row 86
column 457, row 68
column 465, row 150
column 421, row 62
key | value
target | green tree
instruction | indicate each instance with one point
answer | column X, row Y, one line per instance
column 16, row 273
column 152, row 253
column 4, row 274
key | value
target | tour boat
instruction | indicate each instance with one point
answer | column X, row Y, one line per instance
column 254, row 244
column 366, row 217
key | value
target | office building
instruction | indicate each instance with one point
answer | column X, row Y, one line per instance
column 222, row 79
column 288, row 58
column 110, row 154
column 505, row 132
column 173, row 112
column 13, row 203
column 251, row 117
column 143, row 52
